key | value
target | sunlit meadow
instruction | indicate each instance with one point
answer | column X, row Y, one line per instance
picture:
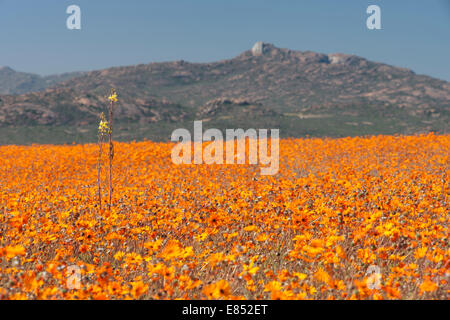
column 335, row 208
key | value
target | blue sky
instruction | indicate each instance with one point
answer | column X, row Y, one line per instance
column 34, row 38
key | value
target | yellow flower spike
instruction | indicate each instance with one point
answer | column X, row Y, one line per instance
column 103, row 126
column 113, row 96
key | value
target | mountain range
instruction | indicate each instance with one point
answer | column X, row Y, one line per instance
column 300, row 92
column 14, row 82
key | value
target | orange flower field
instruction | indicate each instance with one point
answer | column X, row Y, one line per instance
column 337, row 210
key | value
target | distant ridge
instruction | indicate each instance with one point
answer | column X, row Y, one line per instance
column 302, row 92
column 14, row 82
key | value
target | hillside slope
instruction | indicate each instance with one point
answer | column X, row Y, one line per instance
column 14, row 82
column 322, row 92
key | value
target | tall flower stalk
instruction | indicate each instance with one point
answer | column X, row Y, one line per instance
column 105, row 129
column 112, row 99
column 102, row 131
